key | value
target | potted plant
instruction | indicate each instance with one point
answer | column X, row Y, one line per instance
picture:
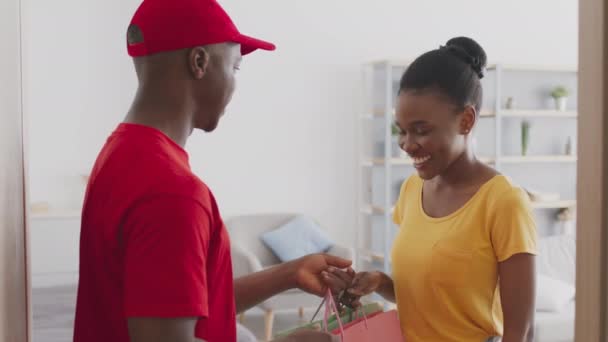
column 560, row 95
column 525, row 137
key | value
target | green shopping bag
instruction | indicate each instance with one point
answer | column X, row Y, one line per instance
column 347, row 316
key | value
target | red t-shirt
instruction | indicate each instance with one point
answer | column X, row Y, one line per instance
column 152, row 242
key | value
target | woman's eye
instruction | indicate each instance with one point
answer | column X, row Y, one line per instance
column 422, row 131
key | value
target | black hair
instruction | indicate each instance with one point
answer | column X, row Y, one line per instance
column 455, row 70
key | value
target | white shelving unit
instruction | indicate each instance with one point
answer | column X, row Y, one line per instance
column 380, row 165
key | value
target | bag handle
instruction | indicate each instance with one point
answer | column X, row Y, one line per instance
column 360, row 309
column 329, row 306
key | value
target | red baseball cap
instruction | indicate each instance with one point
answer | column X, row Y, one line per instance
column 168, row 25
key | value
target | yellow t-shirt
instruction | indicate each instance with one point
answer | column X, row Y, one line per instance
column 445, row 270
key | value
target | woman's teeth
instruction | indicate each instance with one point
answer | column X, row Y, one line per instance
column 420, row 160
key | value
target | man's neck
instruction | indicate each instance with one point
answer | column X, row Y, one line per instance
column 173, row 118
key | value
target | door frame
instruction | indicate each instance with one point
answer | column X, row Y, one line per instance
column 15, row 312
column 592, row 175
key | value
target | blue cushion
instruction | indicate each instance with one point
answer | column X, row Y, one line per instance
column 297, row 238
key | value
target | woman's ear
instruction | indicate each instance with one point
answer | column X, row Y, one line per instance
column 468, row 119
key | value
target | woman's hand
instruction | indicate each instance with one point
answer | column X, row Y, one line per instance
column 365, row 283
column 338, row 280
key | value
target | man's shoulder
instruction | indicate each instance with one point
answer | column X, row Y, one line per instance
column 150, row 166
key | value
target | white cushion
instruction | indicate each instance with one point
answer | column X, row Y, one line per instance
column 555, row 327
column 553, row 295
column 557, row 257
column 297, row 238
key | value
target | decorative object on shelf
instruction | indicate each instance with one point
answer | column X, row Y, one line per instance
column 525, row 137
column 537, row 196
column 566, row 218
column 569, row 150
column 560, row 95
column 510, row 103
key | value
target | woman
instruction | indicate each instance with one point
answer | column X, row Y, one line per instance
column 463, row 260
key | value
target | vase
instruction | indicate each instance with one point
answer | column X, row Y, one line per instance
column 525, row 137
column 561, row 103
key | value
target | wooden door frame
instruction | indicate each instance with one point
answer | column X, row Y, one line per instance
column 592, row 174
column 15, row 313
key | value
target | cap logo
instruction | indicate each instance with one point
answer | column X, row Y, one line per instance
column 134, row 35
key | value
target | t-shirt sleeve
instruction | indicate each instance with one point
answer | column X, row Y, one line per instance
column 513, row 229
column 166, row 241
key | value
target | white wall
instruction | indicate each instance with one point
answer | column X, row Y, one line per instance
column 287, row 142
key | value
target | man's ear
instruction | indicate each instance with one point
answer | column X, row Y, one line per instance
column 198, row 60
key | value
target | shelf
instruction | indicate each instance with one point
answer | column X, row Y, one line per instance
column 503, row 159
column 487, row 113
column 374, row 210
column 380, row 114
column 510, row 67
column 408, row 161
column 400, row 63
column 372, row 256
column 554, row 204
column 539, row 68
column 538, row 113
column 393, row 161
column 56, row 214
column 537, row 159
column 377, row 210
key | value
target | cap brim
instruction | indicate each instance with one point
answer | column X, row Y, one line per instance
column 250, row 44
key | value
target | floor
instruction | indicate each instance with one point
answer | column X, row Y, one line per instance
column 54, row 316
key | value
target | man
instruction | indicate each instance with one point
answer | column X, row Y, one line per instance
column 155, row 260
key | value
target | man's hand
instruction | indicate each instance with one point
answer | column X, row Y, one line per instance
column 310, row 271
column 305, row 273
column 309, row 336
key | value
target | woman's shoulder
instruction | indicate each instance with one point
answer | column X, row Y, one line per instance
column 503, row 191
column 411, row 184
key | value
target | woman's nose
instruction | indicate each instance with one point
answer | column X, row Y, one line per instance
column 408, row 145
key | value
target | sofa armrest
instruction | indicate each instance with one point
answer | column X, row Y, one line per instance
column 244, row 262
column 342, row 252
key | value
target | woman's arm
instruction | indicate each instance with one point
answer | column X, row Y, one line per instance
column 517, row 276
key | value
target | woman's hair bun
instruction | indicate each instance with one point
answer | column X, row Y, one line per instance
column 469, row 51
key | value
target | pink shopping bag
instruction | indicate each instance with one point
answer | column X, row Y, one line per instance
column 381, row 326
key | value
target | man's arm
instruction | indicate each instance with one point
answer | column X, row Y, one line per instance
column 517, row 293
column 162, row 329
column 182, row 330
column 304, row 273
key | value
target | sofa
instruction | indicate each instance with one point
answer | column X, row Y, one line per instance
column 556, row 269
